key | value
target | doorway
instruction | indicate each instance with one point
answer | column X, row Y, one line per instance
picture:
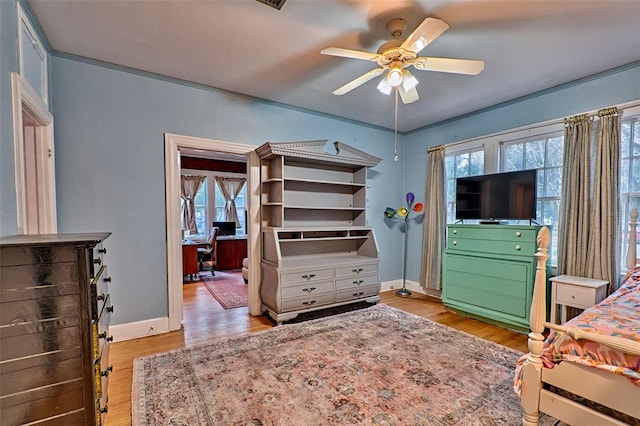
column 173, row 144
column 34, row 161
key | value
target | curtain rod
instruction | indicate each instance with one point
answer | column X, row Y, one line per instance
column 624, row 106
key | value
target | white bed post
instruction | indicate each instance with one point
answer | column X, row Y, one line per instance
column 532, row 369
column 632, row 256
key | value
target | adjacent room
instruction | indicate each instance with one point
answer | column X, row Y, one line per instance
column 320, row 212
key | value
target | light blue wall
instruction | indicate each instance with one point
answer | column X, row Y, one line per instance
column 610, row 88
column 8, row 64
column 109, row 127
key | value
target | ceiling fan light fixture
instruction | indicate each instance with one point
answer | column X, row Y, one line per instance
column 409, row 82
column 395, row 75
column 384, row 86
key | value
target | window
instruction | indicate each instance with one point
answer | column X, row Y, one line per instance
column 543, row 153
column 240, row 208
column 629, row 178
column 461, row 164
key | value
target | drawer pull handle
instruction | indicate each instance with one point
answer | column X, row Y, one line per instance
column 518, row 247
column 97, row 261
column 308, row 276
column 358, row 294
column 455, row 231
column 102, row 250
column 107, row 279
column 101, row 297
column 518, row 234
column 308, row 289
column 455, row 243
column 110, row 309
column 105, row 409
column 357, row 271
column 106, row 372
column 309, row 303
column 573, row 296
column 358, row 282
column 18, row 320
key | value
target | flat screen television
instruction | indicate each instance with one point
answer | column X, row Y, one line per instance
column 226, row 228
column 508, row 196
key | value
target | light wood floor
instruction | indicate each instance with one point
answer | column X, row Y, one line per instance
column 205, row 319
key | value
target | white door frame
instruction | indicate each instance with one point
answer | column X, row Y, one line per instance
column 24, row 97
column 173, row 143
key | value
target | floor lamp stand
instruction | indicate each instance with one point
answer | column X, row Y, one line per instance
column 403, row 292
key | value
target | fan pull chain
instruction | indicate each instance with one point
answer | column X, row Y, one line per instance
column 395, row 130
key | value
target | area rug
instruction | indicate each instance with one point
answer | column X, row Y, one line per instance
column 227, row 288
column 376, row 366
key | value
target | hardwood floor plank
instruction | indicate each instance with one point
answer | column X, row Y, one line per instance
column 205, row 320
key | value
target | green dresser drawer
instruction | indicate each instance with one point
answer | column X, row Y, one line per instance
column 497, row 285
column 494, row 232
column 516, row 248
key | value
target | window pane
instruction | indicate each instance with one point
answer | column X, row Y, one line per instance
column 451, row 189
column 534, row 157
column 513, row 157
column 554, row 151
column 462, row 165
column 553, row 182
column 449, row 166
column 636, row 138
column 624, row 176
column 477, row 163
column 635, row 175
column 541, row 183
column 625, row 139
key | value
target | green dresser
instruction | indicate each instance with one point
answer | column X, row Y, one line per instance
column 489, row 271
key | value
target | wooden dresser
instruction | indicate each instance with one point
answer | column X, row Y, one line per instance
column 55, row 311
column 317, row 250
column 489, row 271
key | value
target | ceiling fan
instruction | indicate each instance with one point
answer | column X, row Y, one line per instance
column 396, row 55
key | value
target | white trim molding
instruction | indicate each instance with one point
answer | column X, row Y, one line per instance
column 133, row 330
column 173, row 144
column 24, row 98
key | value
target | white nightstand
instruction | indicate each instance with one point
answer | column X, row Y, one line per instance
column 577, row 292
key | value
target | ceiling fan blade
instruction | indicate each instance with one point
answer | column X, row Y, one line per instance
column 408, row 96
column 426, row 32
column 458, row 66
column 348, row 53
column 358, row 81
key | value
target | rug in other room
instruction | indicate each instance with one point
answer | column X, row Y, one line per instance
column 228, row 288
column 378, row 366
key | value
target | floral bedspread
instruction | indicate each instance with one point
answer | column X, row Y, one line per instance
column 617, row 315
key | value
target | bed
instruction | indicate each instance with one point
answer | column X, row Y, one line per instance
column 587, row 371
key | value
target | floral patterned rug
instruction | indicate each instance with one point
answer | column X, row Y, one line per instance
column 228, row 288
column 377, row 366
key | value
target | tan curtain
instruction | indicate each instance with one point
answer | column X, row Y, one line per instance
column 574, row 220
column 230, row 188
column 603, row 260
column 189, row 185
column 435, row 219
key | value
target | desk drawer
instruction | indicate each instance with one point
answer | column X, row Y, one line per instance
column 354, row 270
column 356, row 282
column 311, row 275
column 307, row 302
column 357, row 293
column 576, row 296
column 307, row 289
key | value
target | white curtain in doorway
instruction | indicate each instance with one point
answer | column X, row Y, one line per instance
column 230, row 188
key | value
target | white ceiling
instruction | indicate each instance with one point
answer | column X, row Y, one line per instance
column 247, row 47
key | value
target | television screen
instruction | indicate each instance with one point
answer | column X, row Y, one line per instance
column 226, row 228
column 510, row 195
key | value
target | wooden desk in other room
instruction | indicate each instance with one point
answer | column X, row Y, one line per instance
column 189, row 258
column 230, row 251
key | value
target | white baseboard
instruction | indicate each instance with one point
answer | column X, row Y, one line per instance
column 397, row 284
column 133, row 330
